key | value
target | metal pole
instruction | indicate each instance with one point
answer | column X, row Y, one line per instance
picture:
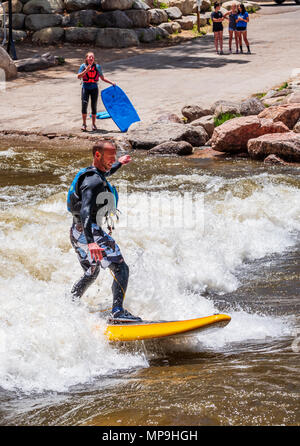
column 10, row 45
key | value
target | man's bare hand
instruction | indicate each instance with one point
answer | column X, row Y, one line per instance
column 95, row 251
column 125, row 159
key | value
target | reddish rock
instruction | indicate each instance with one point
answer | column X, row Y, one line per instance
column 274, row 159
column 285, row 145
column 288, row 114
column 193, row 112
column 233, row 135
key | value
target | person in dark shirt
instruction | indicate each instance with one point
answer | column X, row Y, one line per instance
column 90, row 199
column 232, row 16
column 217, row 19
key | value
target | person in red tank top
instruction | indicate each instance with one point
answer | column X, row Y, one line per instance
column 90, row 73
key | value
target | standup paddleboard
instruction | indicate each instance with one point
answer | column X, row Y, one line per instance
column 153, row 330
column 119, row 107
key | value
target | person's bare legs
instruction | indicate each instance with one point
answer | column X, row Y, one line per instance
column 230, row 40
column 244, row 34
column 236, row 41
column 216, row 36
column 239, row 33
column 221, row 41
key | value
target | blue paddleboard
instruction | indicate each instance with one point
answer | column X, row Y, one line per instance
column 119, row 107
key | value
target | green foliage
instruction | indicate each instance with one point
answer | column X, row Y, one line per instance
column 283, row 86
column 79, row 25
column 218, row 120
column 163, row 6
column 61, row 60
column 260, row 95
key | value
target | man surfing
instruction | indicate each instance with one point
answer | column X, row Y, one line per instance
column 90, row 199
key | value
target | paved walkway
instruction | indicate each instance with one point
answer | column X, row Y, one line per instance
column 167, row 79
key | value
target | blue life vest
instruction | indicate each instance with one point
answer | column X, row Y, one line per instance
column 74, row 199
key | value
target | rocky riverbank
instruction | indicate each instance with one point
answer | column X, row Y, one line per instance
column 251, row 128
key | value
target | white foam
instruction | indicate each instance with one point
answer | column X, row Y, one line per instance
column 48, row 343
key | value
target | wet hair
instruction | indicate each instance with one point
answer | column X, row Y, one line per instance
column 242, row 8
column 85, row 59
column 100, row 145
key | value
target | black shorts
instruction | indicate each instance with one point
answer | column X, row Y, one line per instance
column 217, row 27
column 242, row 29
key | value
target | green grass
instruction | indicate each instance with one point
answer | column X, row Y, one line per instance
column 260, row 95
column 283, row 86
column 202, row 32
column 225, row 117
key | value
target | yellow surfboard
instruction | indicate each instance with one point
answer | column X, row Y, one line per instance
column 161, row 329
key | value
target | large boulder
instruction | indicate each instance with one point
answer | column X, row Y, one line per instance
column 139, row 4
column 185, row 6
column 48, row 36
column 116, row 38
column 17, row 20
column 174, row 13
column 16, row 6
column 143, row 136
column 78, row 5
column 205, row 6
column 34, row 22
column 146, row 35
column 207, row 122
column 288, row 114
column 44, row 7
column 84, row 18
column 112, row 5
column 193, row 112
column 113, row 19
column 139, row 18
column 251, row 106
column 7, row 66
column 18, row 34
column 293, row 98
column 172, row 148
column 187, row 23
column 81, row 35
column 234, row 134
column 37, row 62
column 285, row 145
column 157, row 16
column 221, row 107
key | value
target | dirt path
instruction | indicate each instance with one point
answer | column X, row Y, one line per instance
column 161, row 80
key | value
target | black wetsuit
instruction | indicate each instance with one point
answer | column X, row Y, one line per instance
column 85, row 230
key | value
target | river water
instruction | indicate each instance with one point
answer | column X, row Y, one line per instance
column 200, row 237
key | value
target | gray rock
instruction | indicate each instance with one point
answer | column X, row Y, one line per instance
column 143, row 136
column 180, row 148
column 274, row 159
column 221, row 107
column 17, row 20
column 18, row 34
column 160, row 33
column 139, row 4
column 193, row 112
column 111, row 5
column 80, row 18
column 17, row 7
column 167, row 27
column 174, row 13
column 169, row 117
column 7, row 65
column 296, row 128
column 78, row 5
column 37, row 63
column 146, row 35
column 186, row 6
column 48, row 35
column 113, row 19
column 176, row 27
column 116, row 38
column 139, row 18
column 34, row 22
column 157, row 16
column 81, row 35
column 187, row 23
column 44, row 7
column 207, row 122
column 251, row 106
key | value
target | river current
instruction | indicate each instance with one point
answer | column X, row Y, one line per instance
column 200, row 237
